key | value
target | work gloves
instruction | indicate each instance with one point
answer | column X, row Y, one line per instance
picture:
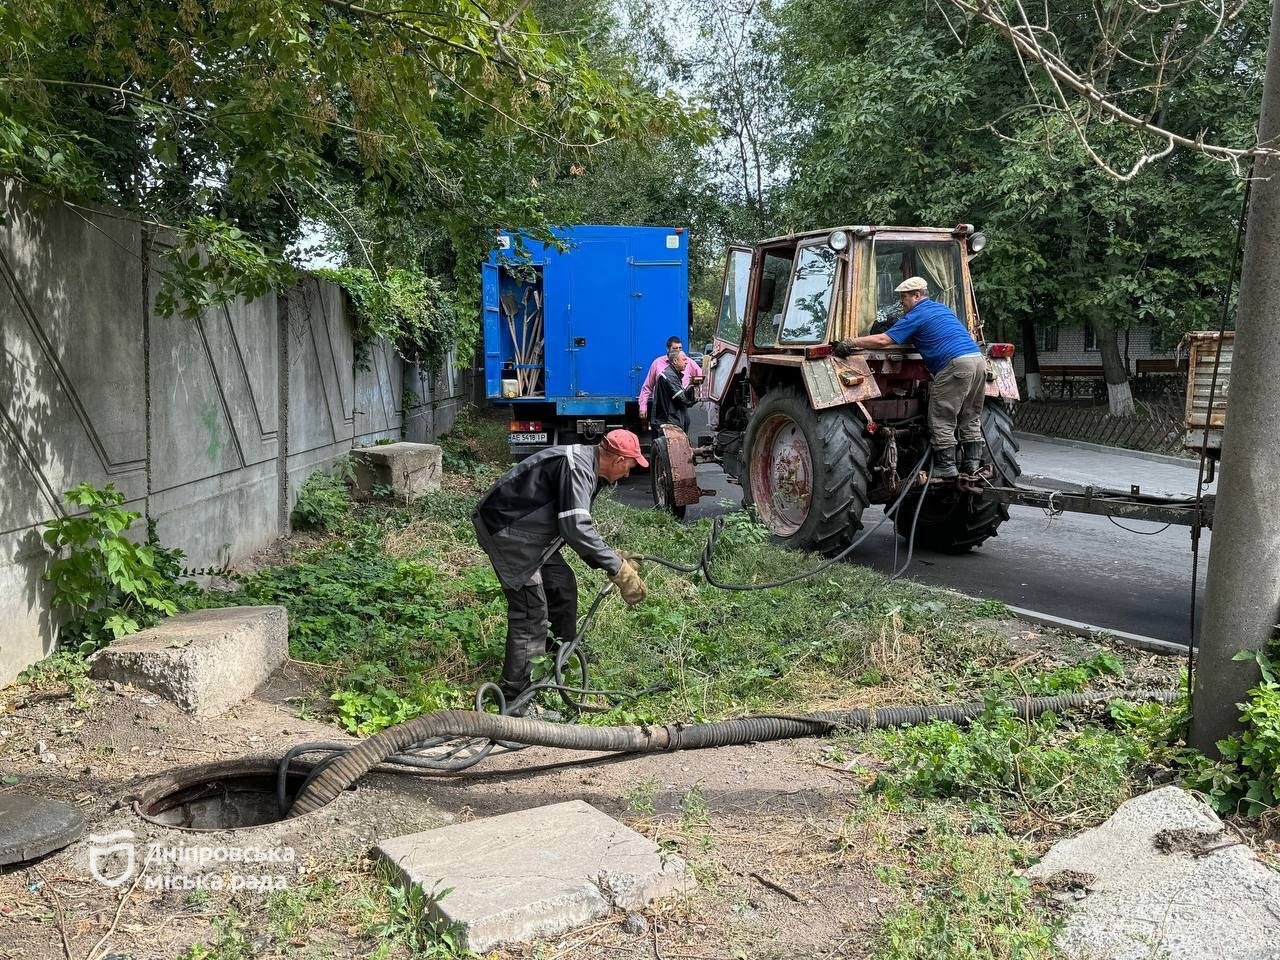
column 842, row 348
column 628, row 582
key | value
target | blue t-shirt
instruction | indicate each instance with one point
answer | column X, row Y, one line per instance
column 936, row 333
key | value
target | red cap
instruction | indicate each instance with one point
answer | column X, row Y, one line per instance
column 625, row 444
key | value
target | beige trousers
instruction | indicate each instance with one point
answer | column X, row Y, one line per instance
column 955, row 401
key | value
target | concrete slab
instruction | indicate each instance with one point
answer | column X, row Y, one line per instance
column 411, row 470
column 32, row 826
column 205, row 661
column 535, row 873
column 1162, row 878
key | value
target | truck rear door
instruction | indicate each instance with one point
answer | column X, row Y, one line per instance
column 599, row 319
column 658, row 310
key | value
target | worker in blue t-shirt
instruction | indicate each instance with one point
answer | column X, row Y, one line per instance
column 959, row 374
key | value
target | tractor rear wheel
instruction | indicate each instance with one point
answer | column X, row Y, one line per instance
column 955, row 522
column 807, row 471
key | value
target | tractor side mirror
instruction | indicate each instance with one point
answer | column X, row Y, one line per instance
column 768, row 289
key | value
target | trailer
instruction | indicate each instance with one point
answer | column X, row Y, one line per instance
column 570, row 328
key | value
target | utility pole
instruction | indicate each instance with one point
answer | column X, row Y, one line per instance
column 1242, row 598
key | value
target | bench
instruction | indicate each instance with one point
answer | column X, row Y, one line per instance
column 1070, row 372
column 1164, row 365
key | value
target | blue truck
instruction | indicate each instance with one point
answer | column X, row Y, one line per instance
column 569, row 334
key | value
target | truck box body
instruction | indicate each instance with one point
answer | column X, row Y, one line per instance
column 569, row 335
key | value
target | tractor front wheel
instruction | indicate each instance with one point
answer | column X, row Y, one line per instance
column 955, row 522
column 807, row 471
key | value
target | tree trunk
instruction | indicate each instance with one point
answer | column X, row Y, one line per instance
column 1030, row 359
column 1114, row 371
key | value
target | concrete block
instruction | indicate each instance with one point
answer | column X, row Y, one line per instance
column 410, row 469
column 205, row 661
column 1162, row 878
column 535, row 873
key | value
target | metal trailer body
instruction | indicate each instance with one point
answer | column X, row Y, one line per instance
column 569, row 334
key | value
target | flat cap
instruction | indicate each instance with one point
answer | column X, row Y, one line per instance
column 911, row 285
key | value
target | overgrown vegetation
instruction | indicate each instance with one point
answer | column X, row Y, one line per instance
column 324, row 500
column 411, row 311
column 1247, row 778
column 109, row 584
column 963, row 895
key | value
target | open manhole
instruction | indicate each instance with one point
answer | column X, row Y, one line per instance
column 219, row 796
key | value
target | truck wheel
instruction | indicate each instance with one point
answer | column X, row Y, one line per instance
column 661, row 479
column 807, row 471
column 955, row 522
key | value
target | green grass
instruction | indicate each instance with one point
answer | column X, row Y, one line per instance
column 962, row 896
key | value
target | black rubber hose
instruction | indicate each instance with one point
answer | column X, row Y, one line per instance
column 345, row 769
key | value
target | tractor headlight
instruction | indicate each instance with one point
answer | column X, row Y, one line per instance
column 838, row 240
column 977, row 242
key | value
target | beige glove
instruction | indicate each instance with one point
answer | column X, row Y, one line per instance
column 629, row 584
column 635, row 559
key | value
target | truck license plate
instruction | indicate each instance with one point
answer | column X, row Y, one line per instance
column 526, row 438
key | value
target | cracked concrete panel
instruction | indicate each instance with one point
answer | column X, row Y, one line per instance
column 205, row 661
column 535, row 873
column 1163, row 879
column 411, row 470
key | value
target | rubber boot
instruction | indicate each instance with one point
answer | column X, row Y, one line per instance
column 971, row 451
column 944, row 463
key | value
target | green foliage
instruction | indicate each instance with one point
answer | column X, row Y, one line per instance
column 110, row 585
column 1248, row 775
column 965, row 897
column 214, row 264
column 323, row 501
column 407, row 133
column 1068, row 679
column 411, row 311
column 1047, row 768
column 366, row 704
column 413, row 636
column 416, row 923
column 898, row 124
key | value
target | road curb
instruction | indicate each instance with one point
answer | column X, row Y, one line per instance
column 1103, row 448
column 1091, row 631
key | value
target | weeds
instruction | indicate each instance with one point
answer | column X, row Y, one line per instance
column 1042, row 774
column 324, row 501
column 110, row 585
column 415, row 922
column 966, row 898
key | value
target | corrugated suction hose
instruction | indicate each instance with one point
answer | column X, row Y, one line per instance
column 350, row 766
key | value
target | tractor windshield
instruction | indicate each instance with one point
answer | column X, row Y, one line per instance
column 809, row 302
column 891, row 262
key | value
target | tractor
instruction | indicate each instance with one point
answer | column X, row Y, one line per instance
column 813, row 438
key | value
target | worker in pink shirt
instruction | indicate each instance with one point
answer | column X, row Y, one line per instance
column 675, row 346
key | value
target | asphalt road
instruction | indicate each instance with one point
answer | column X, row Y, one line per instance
column 1074, row 566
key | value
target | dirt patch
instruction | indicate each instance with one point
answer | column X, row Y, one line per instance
column 785, row 867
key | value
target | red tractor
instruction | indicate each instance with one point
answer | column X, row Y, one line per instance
column 814, row 439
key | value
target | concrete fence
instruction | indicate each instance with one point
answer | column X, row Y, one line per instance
column 208, row 426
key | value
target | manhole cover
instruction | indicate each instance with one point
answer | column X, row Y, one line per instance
column 32, row 826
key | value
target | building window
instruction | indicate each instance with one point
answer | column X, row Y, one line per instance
column 1090, row 338
column 1048, row 339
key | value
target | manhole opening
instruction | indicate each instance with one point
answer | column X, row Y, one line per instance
column 219, row 796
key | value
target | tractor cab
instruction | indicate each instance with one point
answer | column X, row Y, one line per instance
column 814, row 438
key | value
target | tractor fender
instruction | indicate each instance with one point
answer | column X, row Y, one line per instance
column 838, row 381
column 684, row 473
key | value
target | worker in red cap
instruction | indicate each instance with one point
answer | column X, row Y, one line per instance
column 524, row 520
